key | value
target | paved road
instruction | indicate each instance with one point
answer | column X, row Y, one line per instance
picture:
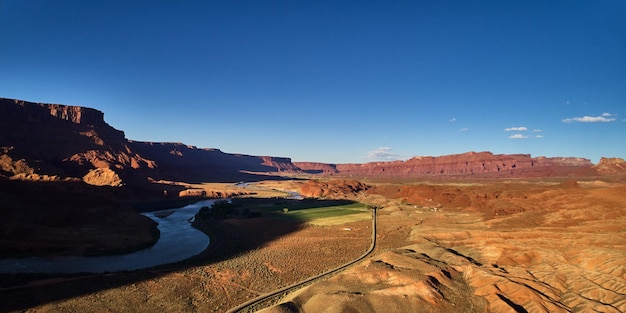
column 268, row 299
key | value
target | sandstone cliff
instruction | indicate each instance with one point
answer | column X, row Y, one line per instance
column 471, row 164
column 317, row 168
column 52, row 142
column 180, row 162
column 63, row 141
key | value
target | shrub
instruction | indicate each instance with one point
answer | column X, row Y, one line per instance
column 219, row 210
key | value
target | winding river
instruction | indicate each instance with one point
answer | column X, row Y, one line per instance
column 178, row 241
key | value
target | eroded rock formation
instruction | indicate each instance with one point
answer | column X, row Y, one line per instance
column 336, row 189
column 477, row 164
column 611, row 165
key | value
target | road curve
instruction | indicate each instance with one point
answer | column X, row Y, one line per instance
column 258, row 303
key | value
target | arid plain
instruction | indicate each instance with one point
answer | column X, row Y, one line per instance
column 482, row 246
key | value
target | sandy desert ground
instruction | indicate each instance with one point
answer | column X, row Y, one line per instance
column 487, row 246
column 515, row 247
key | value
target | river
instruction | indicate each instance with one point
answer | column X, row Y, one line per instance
column 178, row 241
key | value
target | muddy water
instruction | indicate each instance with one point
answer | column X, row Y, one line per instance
column 178, row 241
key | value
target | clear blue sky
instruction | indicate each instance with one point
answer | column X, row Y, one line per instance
column 332, row 81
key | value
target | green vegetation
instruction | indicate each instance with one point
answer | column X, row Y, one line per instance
column 219, row 210
column 306, row 211
column 310, row 214
column 272, row 205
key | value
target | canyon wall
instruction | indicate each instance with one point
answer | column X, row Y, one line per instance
column 40, row 141
column 472, row 164
column 62, row 141
column 317, row 168
column 180, row 162
column 54, row 142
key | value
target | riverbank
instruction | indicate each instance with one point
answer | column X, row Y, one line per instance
column 249, row 256
column 178, row 241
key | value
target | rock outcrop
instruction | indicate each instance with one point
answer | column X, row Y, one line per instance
column 611, row 166
column 335, row 189
column 103, row 177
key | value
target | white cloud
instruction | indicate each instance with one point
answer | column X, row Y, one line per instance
column 517, row 129
column 382, row 153
column 452, row 120
column 464, row 129
column 604, row 118
column 518, row 136
column 539, row 136
column 537, row 130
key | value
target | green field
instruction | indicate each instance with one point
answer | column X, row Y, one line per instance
column 326, row 213
column 312, row 211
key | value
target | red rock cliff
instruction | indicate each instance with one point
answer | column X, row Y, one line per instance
column 62, row 140
column 177, row 161
column 466, row 164
column 317, row 168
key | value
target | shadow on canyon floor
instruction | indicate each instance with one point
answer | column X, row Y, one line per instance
column 229, row 238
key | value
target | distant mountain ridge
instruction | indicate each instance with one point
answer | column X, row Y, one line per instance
column 180, row 162
column 480, row 164
column 53, row 142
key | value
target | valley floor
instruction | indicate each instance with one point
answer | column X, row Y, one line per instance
column 482, row 247
column 507, row 248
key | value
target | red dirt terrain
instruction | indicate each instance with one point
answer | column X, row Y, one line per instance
column 486, row 247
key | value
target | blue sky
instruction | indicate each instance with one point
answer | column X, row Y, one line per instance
column 332, row 81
